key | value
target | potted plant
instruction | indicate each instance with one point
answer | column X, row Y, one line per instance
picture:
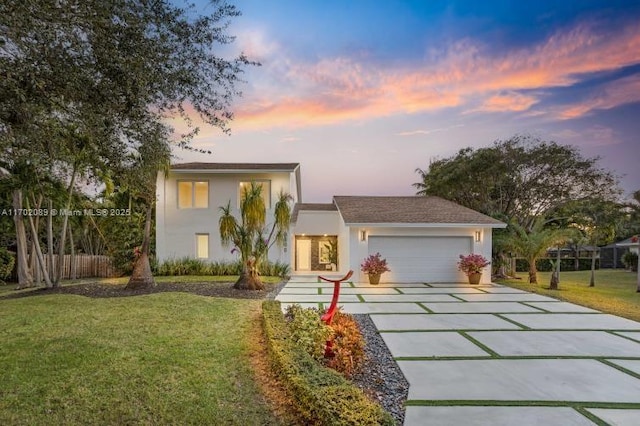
column 374, row 266
column 472, row 265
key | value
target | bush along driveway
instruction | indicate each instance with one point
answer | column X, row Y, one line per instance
column 494, row 355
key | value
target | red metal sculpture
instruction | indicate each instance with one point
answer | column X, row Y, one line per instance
column 329, row 313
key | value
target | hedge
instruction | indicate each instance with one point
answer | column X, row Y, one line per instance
column 323, row 396
column 566, row 264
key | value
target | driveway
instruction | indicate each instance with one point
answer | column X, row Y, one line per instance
column 493, row 355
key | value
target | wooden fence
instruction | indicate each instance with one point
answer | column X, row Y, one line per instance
column 84, row 266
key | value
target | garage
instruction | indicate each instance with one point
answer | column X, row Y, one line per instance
column 421, row 259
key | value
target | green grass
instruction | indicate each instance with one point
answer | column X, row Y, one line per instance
column 169, row 358
column 615, row 290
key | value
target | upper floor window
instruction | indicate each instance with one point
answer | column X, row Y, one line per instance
column 193, row 194
column 266, row 191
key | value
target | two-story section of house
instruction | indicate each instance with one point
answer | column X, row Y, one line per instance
column 421, row 237
column 189, row 198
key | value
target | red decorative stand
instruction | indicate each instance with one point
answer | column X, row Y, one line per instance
column 329, row 313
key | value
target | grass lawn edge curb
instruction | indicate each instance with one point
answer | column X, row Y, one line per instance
column 324, row 397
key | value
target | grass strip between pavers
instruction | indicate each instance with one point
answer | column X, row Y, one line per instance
column 591, row 416
column 502, row 317
column 421, row 304
column 616, row 333
column 480, row 344
column 618, row 367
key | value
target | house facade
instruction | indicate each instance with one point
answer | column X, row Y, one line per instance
column 421, row 237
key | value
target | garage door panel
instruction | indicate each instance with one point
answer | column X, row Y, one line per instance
column 417, row 259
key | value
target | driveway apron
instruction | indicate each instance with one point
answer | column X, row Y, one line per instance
column 492, row 355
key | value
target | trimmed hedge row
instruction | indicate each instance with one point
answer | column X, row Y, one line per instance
column 324, row 397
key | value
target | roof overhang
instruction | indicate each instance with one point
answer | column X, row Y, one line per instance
column 427, row 225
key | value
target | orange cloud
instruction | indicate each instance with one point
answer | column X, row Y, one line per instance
column 333, row 90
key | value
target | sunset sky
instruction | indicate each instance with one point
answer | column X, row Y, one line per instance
column 362, row 93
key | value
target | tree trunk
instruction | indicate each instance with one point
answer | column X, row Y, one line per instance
column 142, row 277
column 40, row 256
column 63, row 232
column 249, row 278
column 72, row 249
column 51, row 281
column 592, row 281
column 638, row 287
column 555, row 275
column 25, row 279
column 533, row 272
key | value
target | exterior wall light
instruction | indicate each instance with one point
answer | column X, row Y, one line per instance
column 363, row 235
column 478, row 236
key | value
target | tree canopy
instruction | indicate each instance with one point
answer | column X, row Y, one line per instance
column 519, row 179
column 86, row 87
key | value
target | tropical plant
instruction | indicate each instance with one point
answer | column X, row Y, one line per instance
column 630, row 260
column 348, row 345
column 308, row 331
column 472, row 263
column 7, row 261
column 533, row 244
column 250, row 235
column 374, row 264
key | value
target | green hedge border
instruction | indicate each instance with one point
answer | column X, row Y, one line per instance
column 324, row 397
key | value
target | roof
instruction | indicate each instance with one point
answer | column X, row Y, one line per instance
column 288, row 167
column 326, row 207
column 628, row 242
column 408, row 210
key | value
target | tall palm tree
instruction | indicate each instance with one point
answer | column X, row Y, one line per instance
column 533, row 244
column 249, row 234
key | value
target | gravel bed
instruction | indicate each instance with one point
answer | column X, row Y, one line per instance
column 380, row 377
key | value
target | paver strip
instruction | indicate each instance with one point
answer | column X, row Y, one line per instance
column 557, row 343
column 381, row 308
column 563, row 307
column 519, row 380
column 494, row 416
column 479, row 307
column 418, row 344
column 526, row 297
column 558, row 321
column 398, row 322
column 629, row 364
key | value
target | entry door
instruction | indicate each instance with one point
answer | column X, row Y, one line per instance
column 303, row 255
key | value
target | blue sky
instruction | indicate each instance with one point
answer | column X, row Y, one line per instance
column 362, row 93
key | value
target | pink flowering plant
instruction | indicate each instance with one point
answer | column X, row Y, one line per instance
column 374, row 265
column 472, row 263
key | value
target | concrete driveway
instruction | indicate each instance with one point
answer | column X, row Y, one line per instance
column 493, row 355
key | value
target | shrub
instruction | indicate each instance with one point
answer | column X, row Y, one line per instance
column 191, row 266
column 323, row 397
column 348, row 345
column 308, row 331
column 630, row 260
column 7, row 261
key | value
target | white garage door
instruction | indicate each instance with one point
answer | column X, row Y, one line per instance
column 421, row 259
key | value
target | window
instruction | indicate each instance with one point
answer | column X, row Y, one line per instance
column 193, row 194
column 266, row 191
column 202, row 246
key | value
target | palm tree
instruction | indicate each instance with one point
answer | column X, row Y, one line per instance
column 249, row 235
column 533, row 244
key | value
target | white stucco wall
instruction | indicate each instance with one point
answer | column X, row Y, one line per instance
column 176, row 228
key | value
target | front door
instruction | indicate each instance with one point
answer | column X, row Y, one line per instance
column 303, row 255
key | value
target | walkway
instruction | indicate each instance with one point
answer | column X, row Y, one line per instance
column 493, row 355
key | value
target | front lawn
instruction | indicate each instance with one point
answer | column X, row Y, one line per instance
column 615, row 290
column 167, row 358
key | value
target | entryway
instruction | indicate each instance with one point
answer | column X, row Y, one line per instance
column 316, row 253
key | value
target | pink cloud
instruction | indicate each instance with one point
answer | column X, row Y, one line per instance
column 622, row 91
column 333, row 90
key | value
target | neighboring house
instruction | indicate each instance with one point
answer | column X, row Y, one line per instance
column 421, row 237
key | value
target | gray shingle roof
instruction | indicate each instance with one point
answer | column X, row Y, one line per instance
column 236, row 166
column 328, row 207
column 408, row 210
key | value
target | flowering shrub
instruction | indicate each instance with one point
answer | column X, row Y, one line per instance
column 348, row 345
column 374, row 264
column 634, row 239
column 472, row 263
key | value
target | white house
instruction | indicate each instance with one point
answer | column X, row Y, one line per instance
column 421, row 237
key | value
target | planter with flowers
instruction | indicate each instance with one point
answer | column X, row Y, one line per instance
column 472, row 265
column 374, row 266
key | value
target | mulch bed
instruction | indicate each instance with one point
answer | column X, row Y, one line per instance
column 215, row 289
